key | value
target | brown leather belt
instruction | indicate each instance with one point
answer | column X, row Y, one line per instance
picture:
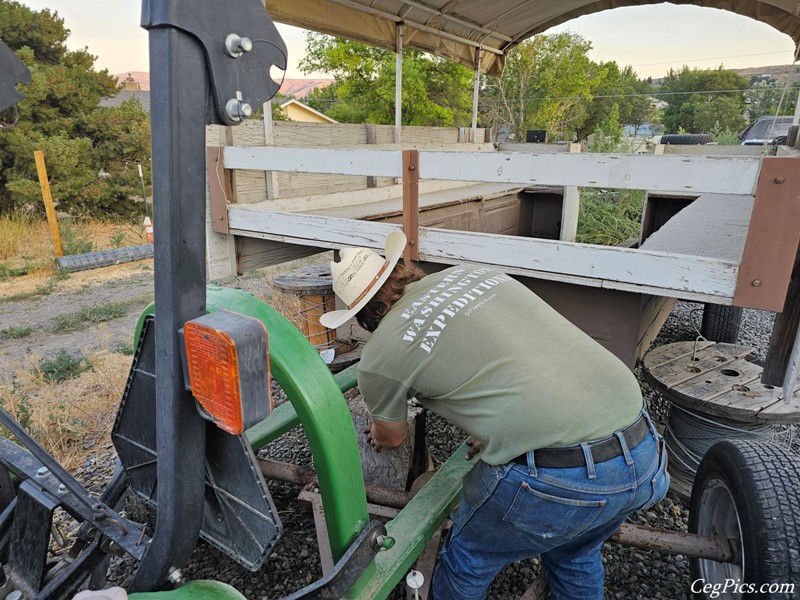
column 602, row 450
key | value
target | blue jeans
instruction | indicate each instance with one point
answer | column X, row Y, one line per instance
column 512, row 512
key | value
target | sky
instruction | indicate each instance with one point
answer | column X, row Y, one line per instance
column 649, row 38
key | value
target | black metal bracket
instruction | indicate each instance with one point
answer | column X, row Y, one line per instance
column 13, row 71
column 239, row 73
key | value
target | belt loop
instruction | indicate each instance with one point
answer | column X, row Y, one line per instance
column 532, row 465
column 587, row 455
column 653, row 429
column 624, row 445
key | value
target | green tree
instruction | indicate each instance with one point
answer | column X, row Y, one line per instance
column 436, row 91
column 693, row 104
column 91, row 152
column 623, row 88
column 768, row 96
column 545, row 85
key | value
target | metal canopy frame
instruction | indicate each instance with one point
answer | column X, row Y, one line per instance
column 459, row 29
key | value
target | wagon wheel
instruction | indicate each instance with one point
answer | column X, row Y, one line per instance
column 747, row 493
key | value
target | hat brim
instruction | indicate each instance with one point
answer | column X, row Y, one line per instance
column 395, row 244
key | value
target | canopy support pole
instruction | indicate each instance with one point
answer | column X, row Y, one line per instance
column 398, row 85
column 475, row 90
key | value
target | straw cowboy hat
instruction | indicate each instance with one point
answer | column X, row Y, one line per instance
column 359, row 275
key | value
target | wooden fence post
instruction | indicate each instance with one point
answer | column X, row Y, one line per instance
column 49, row 208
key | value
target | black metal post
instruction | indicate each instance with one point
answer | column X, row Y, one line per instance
column 179, row 106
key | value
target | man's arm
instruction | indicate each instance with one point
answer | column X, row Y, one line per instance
column 386, row 434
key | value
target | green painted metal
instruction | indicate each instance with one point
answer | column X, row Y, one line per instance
column 194, row 590
column 316, row 398
column 284, row 417
column 412, row 528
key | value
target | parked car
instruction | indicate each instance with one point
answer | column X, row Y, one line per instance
column 766, row 130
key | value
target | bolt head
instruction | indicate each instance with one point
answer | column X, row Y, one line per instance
column 42, row 471
column 779, row 179
column 756, row 282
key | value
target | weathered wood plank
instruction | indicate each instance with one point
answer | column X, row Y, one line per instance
column 661, row 274
column 723, row 175
column 317, row 160
column 674, row 275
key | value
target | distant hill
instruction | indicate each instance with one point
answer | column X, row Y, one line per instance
column 779, row 72
column 298, row 88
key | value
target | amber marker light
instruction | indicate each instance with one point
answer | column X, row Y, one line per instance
column 228, row 368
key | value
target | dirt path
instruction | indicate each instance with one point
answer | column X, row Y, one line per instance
column 123, row 290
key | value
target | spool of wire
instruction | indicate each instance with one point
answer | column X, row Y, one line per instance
column 689, row 434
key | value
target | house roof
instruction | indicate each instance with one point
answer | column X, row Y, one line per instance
column 142, row 95
column 307, row 108
column 456, row 29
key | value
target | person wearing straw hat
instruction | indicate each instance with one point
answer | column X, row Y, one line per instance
column 566, row 449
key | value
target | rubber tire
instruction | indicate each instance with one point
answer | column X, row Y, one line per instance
column 686, row 139
column 764, row 481
column 721, row 323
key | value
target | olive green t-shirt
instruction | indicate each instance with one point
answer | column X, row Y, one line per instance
column 478, row 348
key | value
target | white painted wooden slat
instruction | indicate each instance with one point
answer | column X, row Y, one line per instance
column 380, row 163
column 660, row 273
column 678, row 272
column 721, row 175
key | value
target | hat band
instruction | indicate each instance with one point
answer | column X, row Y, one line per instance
column 369, row 286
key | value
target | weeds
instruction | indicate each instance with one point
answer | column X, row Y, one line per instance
column 6, row 271
column 609, row 217
column 63, row 367
column 81, row 319
column 15, row 333
column 71, row 241
column 63, row 415
column 13, row 230
column 118, row 238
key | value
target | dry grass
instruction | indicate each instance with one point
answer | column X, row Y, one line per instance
column 71, row 416
column 13, row 230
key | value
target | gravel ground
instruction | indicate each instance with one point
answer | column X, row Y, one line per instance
column 294, row 562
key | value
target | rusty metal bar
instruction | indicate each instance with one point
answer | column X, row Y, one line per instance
column 675, row 542
column 376, row 494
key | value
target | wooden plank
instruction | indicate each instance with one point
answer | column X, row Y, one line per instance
column 719, row 381
column 723, row 175
column 219, row 182
column 411, row 205
column 652, row 317
column 253, row 253
column 318, row 160
column 570, row 206
column 660, row 274
column 713, row 225
column 359, row 198
column 703, row 150
column 49, row 207
column 674, row 275
column 773, row 237
column 371, row 139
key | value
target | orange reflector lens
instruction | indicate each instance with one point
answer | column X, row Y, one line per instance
column 232, row 394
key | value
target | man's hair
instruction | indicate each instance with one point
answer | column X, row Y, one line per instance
column 390, row 292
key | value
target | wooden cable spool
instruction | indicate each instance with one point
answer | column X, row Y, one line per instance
column 314, row 287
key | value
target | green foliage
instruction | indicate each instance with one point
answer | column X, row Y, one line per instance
column 118, row 238
column 550, row 82
column 15, row 332
column 609, row 217
column 72, row 241
column 63, row 367
column 436, row 92
column 76, row 321
column 692, row 108
column 767, row 96
column 90, row 152
column 724, row 137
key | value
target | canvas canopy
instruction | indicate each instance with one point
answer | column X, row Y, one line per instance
column 456, row 29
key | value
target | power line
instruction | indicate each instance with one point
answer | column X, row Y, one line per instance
column 685, row 60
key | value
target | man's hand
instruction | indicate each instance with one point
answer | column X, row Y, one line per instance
column 386, row 434
column 475, row 446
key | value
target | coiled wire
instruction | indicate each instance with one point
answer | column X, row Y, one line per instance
column 689, row 435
